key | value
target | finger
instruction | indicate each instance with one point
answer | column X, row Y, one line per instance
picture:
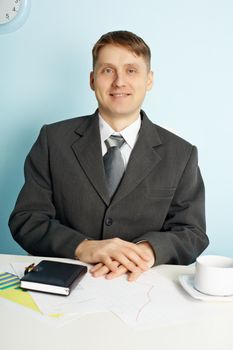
column 96, row 267
column 127, row 257
column 102, row 271
column 137, row 249
column 146, row 247
column 137, row 260
column 110, row 263
column 133, row 276
column 121, row 257
column 120, row 271
column 119, row 244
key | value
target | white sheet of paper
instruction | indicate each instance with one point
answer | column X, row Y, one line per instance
column 152, row 299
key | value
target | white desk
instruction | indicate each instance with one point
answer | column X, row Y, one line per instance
column 105, row 331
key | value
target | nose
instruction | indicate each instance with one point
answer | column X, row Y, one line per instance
column 119, row 80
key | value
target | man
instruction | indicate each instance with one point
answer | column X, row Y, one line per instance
column 113, row 189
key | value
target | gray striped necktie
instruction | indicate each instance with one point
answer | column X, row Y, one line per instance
column 113, row 163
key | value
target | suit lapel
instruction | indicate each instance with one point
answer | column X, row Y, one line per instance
column 143, row 159
column 89, row 154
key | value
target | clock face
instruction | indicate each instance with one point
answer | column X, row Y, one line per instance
column 8, row 10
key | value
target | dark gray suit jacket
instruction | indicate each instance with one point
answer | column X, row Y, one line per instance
column 64, row 199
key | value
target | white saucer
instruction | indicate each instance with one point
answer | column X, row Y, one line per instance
column 187, row 282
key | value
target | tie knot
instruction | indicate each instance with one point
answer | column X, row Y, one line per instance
column 114, row 141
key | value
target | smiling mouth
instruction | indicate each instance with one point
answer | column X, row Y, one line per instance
column 117, row 94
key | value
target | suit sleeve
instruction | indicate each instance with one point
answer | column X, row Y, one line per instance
column 33, row 222
column 183, row 236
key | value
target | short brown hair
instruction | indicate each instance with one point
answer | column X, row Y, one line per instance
column 126, row 39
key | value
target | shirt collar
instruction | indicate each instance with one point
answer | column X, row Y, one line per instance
column 130, row 133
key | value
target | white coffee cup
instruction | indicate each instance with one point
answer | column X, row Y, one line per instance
column 214, row 275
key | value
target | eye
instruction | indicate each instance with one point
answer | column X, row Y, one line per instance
column 108, row 70
column 131, row 71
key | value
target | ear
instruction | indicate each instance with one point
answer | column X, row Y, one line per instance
column 150, row 79
column 92, row 85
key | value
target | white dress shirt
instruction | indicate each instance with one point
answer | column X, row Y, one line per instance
column 130, row 135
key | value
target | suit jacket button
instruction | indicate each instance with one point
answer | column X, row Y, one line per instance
column 108, row 221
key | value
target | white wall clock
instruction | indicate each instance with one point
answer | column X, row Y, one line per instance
column 13, row 14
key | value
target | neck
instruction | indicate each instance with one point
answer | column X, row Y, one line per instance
column 119, row 123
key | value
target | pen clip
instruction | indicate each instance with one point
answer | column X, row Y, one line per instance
column 30, row 268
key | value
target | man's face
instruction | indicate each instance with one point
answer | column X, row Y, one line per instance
column 120, row 80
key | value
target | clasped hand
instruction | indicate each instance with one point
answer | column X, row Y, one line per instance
column 115, row 257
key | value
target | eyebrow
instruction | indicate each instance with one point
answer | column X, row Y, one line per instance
column 102, row 65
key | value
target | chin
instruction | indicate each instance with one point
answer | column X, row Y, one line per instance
column 120, row 115
column 121, row 112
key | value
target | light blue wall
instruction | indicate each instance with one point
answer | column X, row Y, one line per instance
column 44, row 72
